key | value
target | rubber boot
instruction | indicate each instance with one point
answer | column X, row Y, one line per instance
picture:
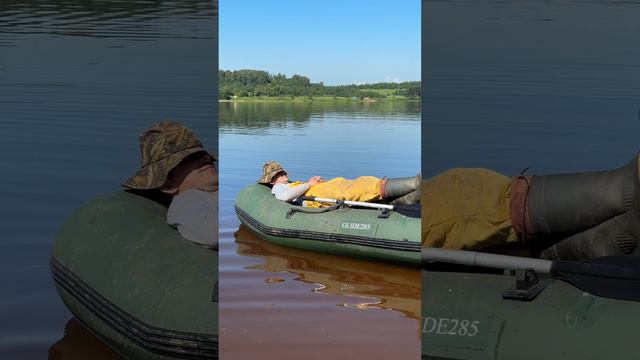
column 616, row 236
column 394, row 188
column 558, row 206
column 411, row 198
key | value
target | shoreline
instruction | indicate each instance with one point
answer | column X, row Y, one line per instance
column 303, row 99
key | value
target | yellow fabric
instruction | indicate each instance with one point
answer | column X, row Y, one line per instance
column 466, row 209
column 364, row 188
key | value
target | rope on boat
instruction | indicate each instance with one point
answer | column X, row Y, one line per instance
column 292, row 211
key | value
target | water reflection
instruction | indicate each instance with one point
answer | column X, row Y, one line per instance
column 250, row 117
column 79, row 344
column 373, row 284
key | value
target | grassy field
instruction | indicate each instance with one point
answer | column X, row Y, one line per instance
column 385, row 92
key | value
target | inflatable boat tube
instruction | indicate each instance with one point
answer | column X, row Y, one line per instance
column 365, row 233
column 132, row 280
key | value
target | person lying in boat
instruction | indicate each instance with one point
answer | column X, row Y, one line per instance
column 175, row 163
column 365, row 188
column 564, row 216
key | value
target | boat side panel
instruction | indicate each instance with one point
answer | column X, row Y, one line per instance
column 121, row 344
column 360, row 251
column 561, row 323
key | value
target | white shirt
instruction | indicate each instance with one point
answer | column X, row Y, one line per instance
column 195, row 214
column 288, row 193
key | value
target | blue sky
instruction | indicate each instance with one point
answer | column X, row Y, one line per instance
column 336, row 42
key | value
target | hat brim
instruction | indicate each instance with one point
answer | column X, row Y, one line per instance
column 155, row 175
column 266, row 179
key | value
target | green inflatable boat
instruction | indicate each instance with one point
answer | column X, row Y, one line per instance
column 135, row 282
column 387, row 235
column 486, row 306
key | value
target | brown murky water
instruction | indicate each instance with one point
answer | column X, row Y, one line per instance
column 79, row 343
column 300, row 304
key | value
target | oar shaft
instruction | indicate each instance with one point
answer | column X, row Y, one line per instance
column 349, row 202
column 494, row 261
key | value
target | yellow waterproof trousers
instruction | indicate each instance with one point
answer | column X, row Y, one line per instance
column 466, row 209
column 364, row 188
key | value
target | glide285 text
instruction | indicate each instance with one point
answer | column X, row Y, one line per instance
column 355, row 226
column 445, row 326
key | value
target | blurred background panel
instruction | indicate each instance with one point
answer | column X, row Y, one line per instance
column 79, row 82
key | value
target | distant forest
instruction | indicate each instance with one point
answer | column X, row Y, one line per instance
column 254, row 83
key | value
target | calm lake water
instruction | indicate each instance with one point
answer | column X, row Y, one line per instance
column 554, row 86
column 283, row 303
column 79, row 81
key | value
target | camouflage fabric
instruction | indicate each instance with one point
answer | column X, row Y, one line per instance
column 162, row 147
column 269, row 170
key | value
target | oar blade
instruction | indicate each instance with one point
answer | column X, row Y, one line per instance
column 615, row 277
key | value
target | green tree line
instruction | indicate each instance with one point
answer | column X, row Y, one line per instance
column 252, row 83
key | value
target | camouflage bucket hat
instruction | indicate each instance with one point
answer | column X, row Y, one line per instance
column 162, row 147
column 269, row 170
